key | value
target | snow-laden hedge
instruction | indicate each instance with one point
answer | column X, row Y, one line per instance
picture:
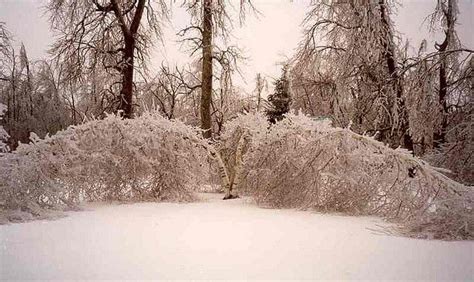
column 147, row 158
column 308, row 164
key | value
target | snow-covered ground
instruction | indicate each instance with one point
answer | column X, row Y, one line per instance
column 217, row 239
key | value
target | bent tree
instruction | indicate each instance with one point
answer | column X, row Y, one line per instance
column 107, row 34
column 230, row 171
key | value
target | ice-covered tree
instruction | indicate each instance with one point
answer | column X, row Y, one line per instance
column 446, row 13
column 34, row 98
column 440, row 100
column 165, row 91
column 354, row 46
column 113, row 35
column 210, row 19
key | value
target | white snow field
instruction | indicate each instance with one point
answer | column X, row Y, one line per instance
column 216, row 239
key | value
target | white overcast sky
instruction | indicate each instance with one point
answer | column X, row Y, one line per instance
column 266, row 40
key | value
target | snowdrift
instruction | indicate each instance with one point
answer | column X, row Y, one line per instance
column 147, row 158
column 307, row 164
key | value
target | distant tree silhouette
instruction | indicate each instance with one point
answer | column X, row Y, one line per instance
column 280, row 100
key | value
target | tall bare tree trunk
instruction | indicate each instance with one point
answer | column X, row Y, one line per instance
column 126, row 94
column 206, row 89
column 440, row 137
column 26, row 64
column 129, row 33
column 73, row 108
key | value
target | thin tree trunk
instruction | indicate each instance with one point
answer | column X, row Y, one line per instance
column 29, row 85
column 73, row 107
column 13, row 86
column 223, row 172
column 234, row 185
column 206, row 89
column 259, row 100
column 440, row 137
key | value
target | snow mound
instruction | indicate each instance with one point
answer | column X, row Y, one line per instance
column 308, row 164
column 145, row 159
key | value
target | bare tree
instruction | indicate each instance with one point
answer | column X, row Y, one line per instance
column 32, row 95
column 446, row 12
column 315, row 92
column 210, row 18
column 354, row 46
column 109, row 34
column 448, row 73
column 165, row 90
column 389, row 52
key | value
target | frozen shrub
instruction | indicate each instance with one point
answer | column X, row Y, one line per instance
column 305, row 163
column 148, row 158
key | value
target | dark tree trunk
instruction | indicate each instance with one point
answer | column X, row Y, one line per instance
column 206, row 89
column 440, row 137
column 389, row 53
column 129, row 33
column 310, row 106
column 29, row 84
column 13, row 86
column 126, row 94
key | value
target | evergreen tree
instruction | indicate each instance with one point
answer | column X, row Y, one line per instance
column 280, row 100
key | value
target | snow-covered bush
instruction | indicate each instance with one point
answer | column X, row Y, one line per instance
column 147, row 158
column 306, row 163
